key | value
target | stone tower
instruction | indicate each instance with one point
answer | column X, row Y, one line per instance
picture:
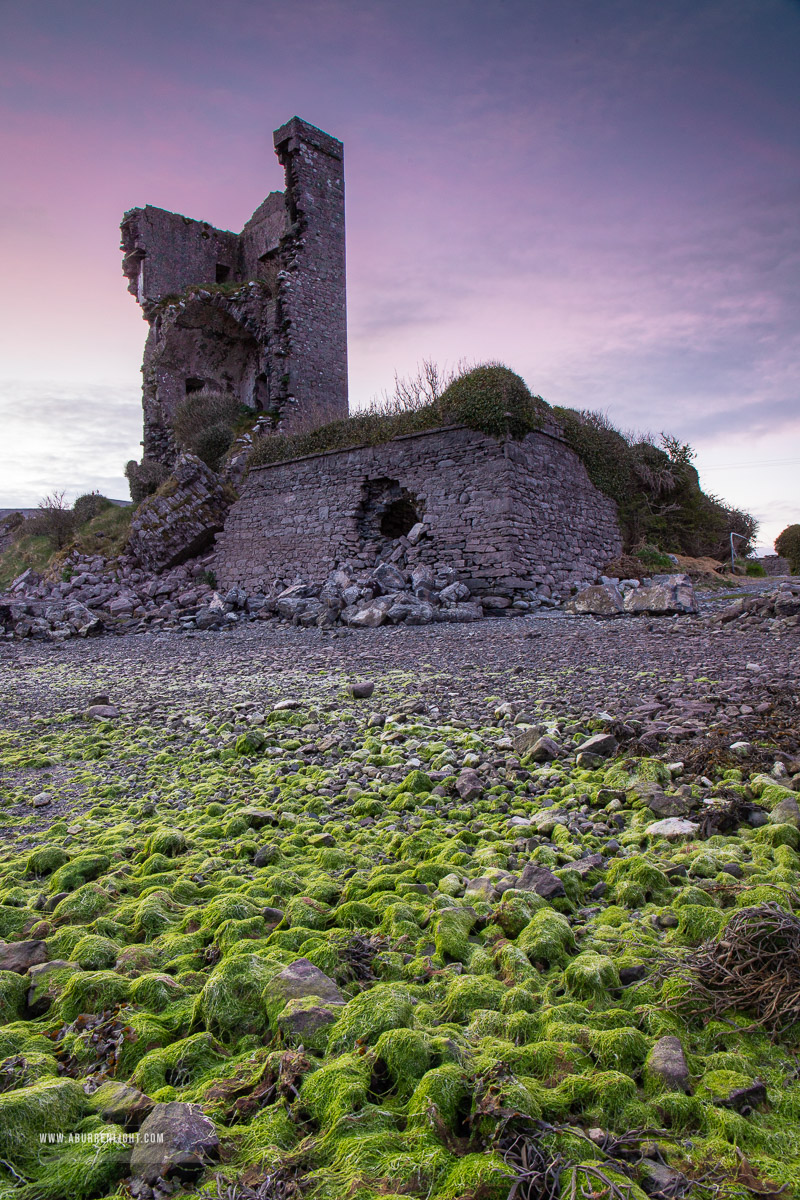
column 261, row 313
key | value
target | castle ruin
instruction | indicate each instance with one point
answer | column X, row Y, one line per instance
column 260, row 314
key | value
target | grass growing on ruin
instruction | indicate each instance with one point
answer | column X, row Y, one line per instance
column 479, row 1027
column 490, row 399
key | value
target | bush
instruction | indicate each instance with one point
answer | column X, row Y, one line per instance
column 651, row 557
column 205, row 424
column 754, row 570
column 144, row 478
column 54, row 521
column 494, row 400
column 88, row 506
column 787, row 544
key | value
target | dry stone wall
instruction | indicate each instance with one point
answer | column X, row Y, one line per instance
column 502, row 515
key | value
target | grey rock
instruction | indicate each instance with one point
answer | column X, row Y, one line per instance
column 666, row 1063
column 176, row 1140
column 121, row 1104
column 544, row 750
column 457, row 613
column 21, row 956
column 602, row 744
column 673, row 827
column 469, row 784
column 542, row 881
column 387, row 578
column 786, row 812
column 301, row 978
column 601, row 600
column 303, row 1020
column 454, row 593
column 665, row 594
column 102, row 712
column 362, row 690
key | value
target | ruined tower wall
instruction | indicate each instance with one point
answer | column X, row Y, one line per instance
column 261, row 314
column 165, row 253
column 312, row 295
column 502, row 514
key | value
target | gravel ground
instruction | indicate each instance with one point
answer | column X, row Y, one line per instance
column 686, row 686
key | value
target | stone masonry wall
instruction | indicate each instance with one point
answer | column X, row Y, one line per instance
column 502, row 514
column 259, row 314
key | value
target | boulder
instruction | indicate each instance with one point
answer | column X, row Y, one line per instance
column 387, row 578
column 459, row 613
column 673, row 827
column 121, row 1104
column 21, row 956
column 362, row 690
column 410, row 610
column 541, row 881
column 182, row 520
column 301, row 978
column 176, row 1140
column 526, row 738
column 665, row 594
column 369, row 614
column 786, row 812
column 600, row 600
column 454, row 593
column 544, row 749
column 666, row 1065
column 601, row 744
column 469, row 785
column 304, row 1021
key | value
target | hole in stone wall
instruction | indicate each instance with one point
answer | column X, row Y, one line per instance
column 193, row 385
column 387, row 511
column 223, row 273
column 399, row 518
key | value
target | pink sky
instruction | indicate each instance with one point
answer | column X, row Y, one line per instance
column 602, row 194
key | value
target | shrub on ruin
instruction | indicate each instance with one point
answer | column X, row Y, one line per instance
column 205, row 424
column 54, row 520
column 144, row 478
column 89, row 506
column 787, row 545
column 494, row 400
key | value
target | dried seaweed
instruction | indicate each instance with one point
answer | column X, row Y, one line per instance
column 754, row 967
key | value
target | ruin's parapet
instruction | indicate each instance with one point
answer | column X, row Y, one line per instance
column 259, row 314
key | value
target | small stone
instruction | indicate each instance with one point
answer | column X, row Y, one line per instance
column 42, row 800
